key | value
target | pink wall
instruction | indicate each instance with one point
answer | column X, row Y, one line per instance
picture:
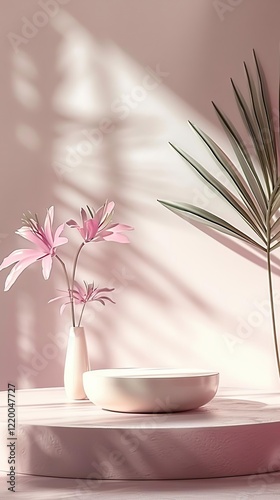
column 183, row 299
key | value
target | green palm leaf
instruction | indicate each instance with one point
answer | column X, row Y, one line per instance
column 233, row 174
column 244, row 160
column 251, row 124
column 275, row 227
column 262, row 138
column 265, row 102
column 221, row 189
column 256, row 186
column 190, row 212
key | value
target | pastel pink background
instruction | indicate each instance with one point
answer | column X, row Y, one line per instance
column 184, row 299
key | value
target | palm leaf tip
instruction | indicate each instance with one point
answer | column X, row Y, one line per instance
column 165, row 203
column 193, row 213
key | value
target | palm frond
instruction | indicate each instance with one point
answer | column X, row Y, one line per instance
column 255, row 187
column 258, row 108
column 221, row 189
column 267, row 112
column 251, row 125
column 190, row 212
column 234, row 176
column 244, row 160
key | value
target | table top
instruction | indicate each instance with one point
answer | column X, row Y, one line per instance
column 49, row 406
column 263, row 486
column 236, row 422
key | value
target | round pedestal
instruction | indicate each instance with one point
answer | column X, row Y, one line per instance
column 235, row 434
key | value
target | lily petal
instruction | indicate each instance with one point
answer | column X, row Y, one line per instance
column 116, row 237
column 91, row 227
column 104, row 298
column 97, row 226
column 78, row 287
column 119, row 227
column 57, row 298
column 48, row 224
column 47, row 266
column 59, row 240
column 63, row 307
column 83, row 215
column 72, row 223
column 104, row 290
column 17, row 270
column 22, row 254
column 25, row 232
column 110, row 207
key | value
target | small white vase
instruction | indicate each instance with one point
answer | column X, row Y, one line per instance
column 76, row 363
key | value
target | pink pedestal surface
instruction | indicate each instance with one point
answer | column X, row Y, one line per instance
column 235, row 434
column 260, row 486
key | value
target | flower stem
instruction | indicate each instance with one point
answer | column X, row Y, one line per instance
column 73, row 278
column 75, row 263
column 70, row 291
column 82, row 312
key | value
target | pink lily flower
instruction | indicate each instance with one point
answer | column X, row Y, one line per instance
column 98, row 226
column 45, row 240
column 82, row 295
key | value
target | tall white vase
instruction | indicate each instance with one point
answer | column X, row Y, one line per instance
column 76, row 363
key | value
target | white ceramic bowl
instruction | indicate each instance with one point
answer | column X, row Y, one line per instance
column 150, row 390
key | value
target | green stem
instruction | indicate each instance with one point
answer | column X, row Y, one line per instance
column 69, row 290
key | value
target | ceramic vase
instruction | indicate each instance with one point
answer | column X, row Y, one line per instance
column 76, row 363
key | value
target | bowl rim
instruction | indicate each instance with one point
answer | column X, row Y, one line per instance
column 154, row 373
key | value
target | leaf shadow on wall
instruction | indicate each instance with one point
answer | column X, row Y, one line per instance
column 52, row 119
column 60, row 92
